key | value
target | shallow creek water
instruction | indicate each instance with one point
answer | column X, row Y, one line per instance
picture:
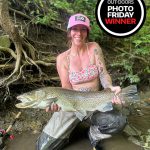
column 26, row 141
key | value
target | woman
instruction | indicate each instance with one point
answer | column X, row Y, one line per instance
column 79, row 68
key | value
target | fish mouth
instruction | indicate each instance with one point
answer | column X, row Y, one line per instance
column 25, row 105
column 24, row 99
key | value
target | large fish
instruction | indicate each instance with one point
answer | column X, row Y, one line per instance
column 70, row 100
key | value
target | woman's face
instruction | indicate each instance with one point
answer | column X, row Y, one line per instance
column 78, row 34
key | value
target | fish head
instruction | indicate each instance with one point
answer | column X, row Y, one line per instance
column 40, row 98
column 36, row 95
column 36, row 104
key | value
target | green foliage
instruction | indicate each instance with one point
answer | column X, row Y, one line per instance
column 132, row 53
column 43, row 12
column 134, row 60
column 47, row 19
column 127, row 67
column 62, row 4
column 46, row 12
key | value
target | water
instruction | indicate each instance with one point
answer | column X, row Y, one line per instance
column 26, row 141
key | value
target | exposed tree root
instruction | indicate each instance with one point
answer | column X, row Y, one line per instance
column 23, row 57
column 30, row 48
column 10, row 51
column 16, row 78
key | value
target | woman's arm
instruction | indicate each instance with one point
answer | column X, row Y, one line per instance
column 105, row 78
column 100, row 62
column 63, row 71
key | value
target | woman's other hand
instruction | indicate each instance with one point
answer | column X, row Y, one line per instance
column 53, row 108
column 116, row 90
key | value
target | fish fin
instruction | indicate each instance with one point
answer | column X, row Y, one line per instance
column 130, row 94
column 82, row 112
column 104, row 107
column 46, row 103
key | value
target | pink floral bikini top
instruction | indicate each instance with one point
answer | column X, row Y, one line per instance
column 87, row 74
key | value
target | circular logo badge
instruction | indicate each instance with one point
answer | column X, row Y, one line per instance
column 120, row 18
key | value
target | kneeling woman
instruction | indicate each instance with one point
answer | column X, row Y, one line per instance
column 80, row 68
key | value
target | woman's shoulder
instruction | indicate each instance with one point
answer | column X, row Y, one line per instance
column 93, row 47
column 62, row 57
column 63, row 54
column 93, row 44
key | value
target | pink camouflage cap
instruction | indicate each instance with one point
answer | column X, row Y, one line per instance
column 78, row 19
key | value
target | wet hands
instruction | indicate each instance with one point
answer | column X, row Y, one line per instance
column 53, row 108
column 116, row 90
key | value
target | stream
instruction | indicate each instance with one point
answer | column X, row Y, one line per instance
column 26, row 141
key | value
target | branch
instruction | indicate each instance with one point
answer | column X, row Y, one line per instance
column 9, row 51
column 44, row 63
column 30, row 61
column 20, row 13
column 31, row 49
column 15, row 79
column 6, row 66
column 133, row 56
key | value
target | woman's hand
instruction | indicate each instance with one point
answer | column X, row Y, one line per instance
column 116, row 90
column 53, row 108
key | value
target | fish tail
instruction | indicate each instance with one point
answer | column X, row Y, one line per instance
column 130, row 94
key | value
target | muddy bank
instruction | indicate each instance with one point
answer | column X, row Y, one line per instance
column 29, row 120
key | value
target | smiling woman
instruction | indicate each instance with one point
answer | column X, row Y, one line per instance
column 80, row 68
